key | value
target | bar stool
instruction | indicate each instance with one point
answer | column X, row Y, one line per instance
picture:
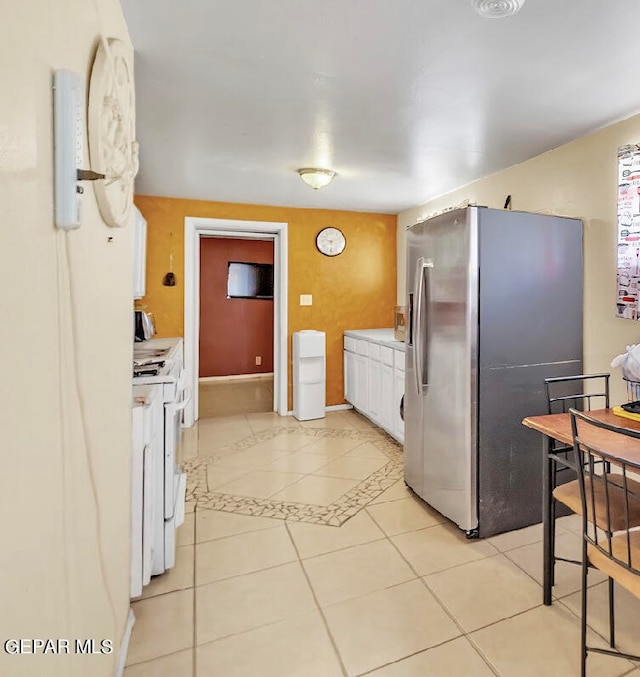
column 610, row 503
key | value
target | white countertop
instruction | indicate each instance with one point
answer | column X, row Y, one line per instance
column 382, row 336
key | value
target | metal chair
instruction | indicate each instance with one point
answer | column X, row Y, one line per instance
column 610, row 503
column 563, row 393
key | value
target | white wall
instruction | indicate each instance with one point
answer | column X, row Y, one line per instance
column 578, row 180
column 64, row 480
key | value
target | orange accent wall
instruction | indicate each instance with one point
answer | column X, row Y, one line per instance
column 356, row 290
column 233, row 331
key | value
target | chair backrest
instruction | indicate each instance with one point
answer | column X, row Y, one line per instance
column 583, row 393
column 607, row 495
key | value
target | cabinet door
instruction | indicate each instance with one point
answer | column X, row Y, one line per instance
column 387, row 397
column 139, row 254
column 373, row 385
column 362, row 388
column 398, row 427
column 349, row 376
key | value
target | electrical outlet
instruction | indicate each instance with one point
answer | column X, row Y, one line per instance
column 258, row 360
column 306, row 299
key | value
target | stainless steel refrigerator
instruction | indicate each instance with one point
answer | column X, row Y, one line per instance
column 494, row 300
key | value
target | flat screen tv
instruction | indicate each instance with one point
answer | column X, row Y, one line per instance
column 250, row 280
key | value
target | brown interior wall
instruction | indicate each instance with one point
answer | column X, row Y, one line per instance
column 233, row 331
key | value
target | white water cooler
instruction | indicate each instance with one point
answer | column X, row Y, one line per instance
column 309, row 374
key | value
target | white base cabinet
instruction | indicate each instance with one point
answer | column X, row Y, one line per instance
column 374, row 377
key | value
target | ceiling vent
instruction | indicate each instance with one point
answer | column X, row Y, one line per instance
column 497, row 9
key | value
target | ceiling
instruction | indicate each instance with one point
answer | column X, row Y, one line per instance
column 405, row 99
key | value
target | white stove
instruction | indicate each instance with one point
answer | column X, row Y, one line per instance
column 166, row 397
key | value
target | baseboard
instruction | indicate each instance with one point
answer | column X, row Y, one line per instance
column 332, row 407
column 124, row 645
column 238, row 377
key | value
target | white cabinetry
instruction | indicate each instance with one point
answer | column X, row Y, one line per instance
column 139, row 254
column 374, row 377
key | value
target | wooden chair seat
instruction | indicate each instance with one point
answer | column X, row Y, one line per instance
column 627, row 579
column 569, row 494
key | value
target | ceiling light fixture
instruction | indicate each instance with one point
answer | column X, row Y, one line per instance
column 316, row 178
column 497, row 9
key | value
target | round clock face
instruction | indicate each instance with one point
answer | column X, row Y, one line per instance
column 331, row 242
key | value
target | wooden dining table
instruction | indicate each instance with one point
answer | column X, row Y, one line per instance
column 558, row 427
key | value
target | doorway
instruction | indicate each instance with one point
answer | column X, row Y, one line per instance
column 195, row 230
column 236, row 326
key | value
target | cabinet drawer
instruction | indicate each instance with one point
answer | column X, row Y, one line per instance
column 399, row 359
column 350, row 344
column 362, row 347
column 386, row 355
column 374, row 351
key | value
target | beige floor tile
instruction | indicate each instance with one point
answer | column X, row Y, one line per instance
column 188, row 448
column 286, row 442
column 332, row 447
column 627, row 609
column 542, row 641
column 219, row 475
column 211, row 441
column 334, row 422
column 408, row 514
column 178, row 577
column 296, row 647
column 570, row 523
column 252, row 459
column 456, row 658
column 180, row 663
column 388, row 625
column 394, row 493
column 163, row 626
column 267, row 421
column 367, row 450
column 486, row 591
column 516, row 539
column 212, row 524
column 356, row 571
column 247, row 602
column 242, row 554
column 316, row 490
column 185, row 535
column 316, row 539
column 567, row 576
column 351, row 468
column 440, row 547
column 297, row 462
column 260, row 484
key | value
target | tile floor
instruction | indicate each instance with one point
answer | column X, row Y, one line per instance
column 394, row 591
column 237, row 396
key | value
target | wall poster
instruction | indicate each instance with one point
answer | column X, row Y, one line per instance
column 628, row 267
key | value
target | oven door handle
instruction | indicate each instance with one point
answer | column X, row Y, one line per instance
column 186, row 398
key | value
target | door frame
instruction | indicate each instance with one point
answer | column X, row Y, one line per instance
column 194, row 229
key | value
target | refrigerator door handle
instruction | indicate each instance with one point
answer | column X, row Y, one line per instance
column 418, row 349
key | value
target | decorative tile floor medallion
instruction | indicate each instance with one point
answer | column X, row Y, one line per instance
column 333, row 514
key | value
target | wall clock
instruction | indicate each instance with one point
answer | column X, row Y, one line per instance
column 330, row 241
column 112, row 143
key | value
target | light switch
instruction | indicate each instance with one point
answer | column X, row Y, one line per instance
column 306, row 300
